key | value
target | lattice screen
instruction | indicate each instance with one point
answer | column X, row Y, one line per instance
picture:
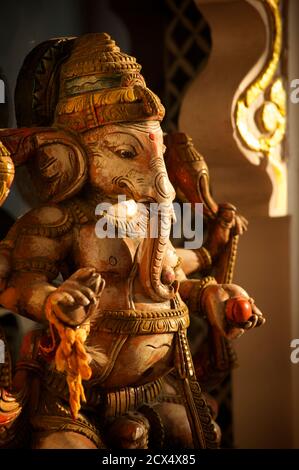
column 187, row 47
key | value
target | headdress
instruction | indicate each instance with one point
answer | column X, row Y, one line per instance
column 99, row 84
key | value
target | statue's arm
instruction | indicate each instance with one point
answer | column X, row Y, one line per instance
column 194, row 260
column 26, row 295
column 37, row 249
column 38, row 245
column 207, row 298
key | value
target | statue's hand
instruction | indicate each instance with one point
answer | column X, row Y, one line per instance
column 129, row 431
column 228, row 222
column 230, row 309
column 78, row 297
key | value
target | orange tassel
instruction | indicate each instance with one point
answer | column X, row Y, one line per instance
column 71, row 357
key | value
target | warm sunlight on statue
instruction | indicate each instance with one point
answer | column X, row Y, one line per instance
column 110, row 366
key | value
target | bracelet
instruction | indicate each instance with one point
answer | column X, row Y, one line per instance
column 194, row 299
column 204, row 257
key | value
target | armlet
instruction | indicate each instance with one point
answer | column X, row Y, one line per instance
column 37, row 265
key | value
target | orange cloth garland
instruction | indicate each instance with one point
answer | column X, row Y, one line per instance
column 71, row 357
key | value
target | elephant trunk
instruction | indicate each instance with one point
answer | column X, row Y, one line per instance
column 158, row 280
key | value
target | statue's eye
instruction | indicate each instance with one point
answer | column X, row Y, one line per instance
column 126, row 153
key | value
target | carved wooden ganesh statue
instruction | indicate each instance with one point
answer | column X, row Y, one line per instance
column 110, row 365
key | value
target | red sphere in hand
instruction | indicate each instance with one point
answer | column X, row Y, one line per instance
column 238, row 309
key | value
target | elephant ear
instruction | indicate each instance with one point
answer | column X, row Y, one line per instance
column 58, row 167
column 36, row 97
column 37, row 88
column 55, row 158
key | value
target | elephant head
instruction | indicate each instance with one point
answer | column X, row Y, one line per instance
column 103, row 133
column 127, row 159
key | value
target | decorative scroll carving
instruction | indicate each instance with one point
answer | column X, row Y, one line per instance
column 6, row 173
column 235, row 107
column 260, row 113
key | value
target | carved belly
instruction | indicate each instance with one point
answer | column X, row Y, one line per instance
column 138, row 344
column 132, row 360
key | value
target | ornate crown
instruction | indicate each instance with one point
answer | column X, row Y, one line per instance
column 99, row 84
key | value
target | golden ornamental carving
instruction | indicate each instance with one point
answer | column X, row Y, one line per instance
column 6, row 173
column 260, row 112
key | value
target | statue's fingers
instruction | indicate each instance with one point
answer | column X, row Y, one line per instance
column 238, row 227
column 250, row 323
column 63, row 298
column 246, row 325
column 87, row 291
column 79, row 297
column 101, row 286
column 82, row 274
column 235, row 333
column 260, row 321
column 256, row 310
column 241, row 225
column 254, row 320
column 244, row 221
column 94, row 282
column 92, row 310
column 71, row 315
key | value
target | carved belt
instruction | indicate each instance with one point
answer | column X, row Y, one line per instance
column 144, row 322
column 116, row 402
column 127, row 399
